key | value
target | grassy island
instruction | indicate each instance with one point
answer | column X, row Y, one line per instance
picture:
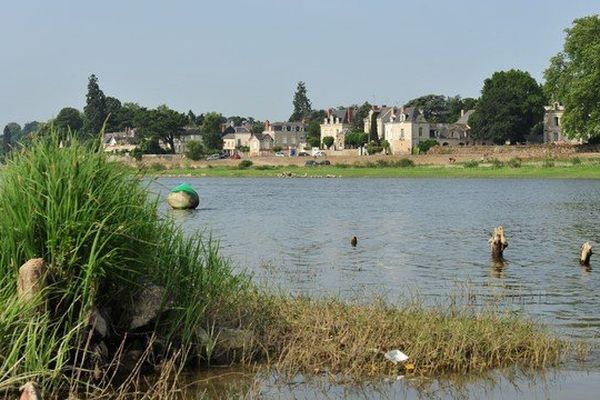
column 127, row 302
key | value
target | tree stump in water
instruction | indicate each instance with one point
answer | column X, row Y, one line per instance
column 585, row 253
column 32, row 279
column 498, row 242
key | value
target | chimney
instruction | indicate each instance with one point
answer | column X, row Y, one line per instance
column 462, row 112
column 349, row 112
column 267, row 125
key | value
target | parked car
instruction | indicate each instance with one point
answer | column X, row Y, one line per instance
column 280, row 154
column 235, row 156
column 310, row 163
column 212, row 157
column 303, row 154
column 319, row 153
column 323, row 162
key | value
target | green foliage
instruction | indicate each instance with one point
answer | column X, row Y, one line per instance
column 511, row 104
column 313, row 141
column 245, row 164
column 113, row 113
column 359, row 115
column 471, row 164
column 442, row 109
column 426, row 145
column 161, row 124
column 30, row 127
column 95, row 108
column 497, row 163
column 328, row 141
column 103, row 239
column 355, row 139
column 313, row 133
column 548, row 163
column 10, row 136
column 277, row 148
column 211, row 130
column 194, row 150
column 514, row 162
column 573, row 78
column 244, row 149
column 68, row 119
column 301, row 103
column 374, row 148
column 575, row 160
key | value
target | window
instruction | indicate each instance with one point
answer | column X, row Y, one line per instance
column 297, row 129
column 420, row 131
column 556, row 121
column 288, row 128
column 556, row 136
column 402, row 132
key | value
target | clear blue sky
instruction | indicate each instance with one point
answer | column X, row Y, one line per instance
column 245, row 57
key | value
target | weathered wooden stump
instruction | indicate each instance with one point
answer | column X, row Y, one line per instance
column 32, row 279
column 30, row 391
column 585, row 253
column 498, row 242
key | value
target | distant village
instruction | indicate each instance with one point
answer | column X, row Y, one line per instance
column 402, row 127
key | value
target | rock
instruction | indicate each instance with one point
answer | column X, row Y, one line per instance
column 30, row 391
column 183, row 197
column 585, row 253
column 498, row 242
column 98, row 322
column 146, row 306
column 32, row 279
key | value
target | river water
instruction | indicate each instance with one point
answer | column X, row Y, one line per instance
column 424, row 237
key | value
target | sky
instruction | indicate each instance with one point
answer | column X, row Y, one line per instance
column 245, row 57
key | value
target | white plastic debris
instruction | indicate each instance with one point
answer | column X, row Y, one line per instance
column 396, row 356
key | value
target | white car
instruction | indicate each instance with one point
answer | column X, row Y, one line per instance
column 280, row 154
column 319, row 153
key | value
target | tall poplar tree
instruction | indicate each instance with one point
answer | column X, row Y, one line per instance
column 95, row 107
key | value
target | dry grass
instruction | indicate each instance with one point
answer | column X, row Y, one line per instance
column 347, row 340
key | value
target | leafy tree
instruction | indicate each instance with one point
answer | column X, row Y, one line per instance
column 313, row 141
column 313, row 132
column 441, row 109
column 385, row 145
column 356, row 139
column 10, row 136
column 328, row 141
column 113, row 112
column 511, row 103
column 195, row 150
column 360, row 113
column 373, row 134
column 573, row 78
column 130, row 115
column 244, row 149
column 302, row 105
column 30, row 127
column 191, row 118
column 211, row 130
column 95, row 107
column 277, row 148
column 257, row 127
column 426, row 145
column 162, row 124
column 69, row 118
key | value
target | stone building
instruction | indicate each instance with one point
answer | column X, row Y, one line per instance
column 260, row 144
column 552, row 121
column 407, row 127
column 287, row 135
column 336, row 124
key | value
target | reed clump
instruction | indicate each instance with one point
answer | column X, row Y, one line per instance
column 98, row 230
column 348, row 340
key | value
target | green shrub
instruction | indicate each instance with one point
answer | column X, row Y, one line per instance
column 405, row 163
column 471, row 164
column 426, row 145
column 262, row 167
column 497, row 163
column 157, row 167
column 277, row 148
column 245, row 164
column 328, row 141
column 514, row 162
column 548, row 163
column 575, row 160
column 194, row 150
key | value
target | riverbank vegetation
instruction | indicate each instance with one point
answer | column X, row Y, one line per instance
column 574, row 168
column 128, row 302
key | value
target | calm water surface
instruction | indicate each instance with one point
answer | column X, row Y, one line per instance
column 415, row 236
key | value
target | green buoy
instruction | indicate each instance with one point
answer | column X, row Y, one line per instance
column 183, row 197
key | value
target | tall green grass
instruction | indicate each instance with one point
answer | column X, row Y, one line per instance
column 97, row 227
